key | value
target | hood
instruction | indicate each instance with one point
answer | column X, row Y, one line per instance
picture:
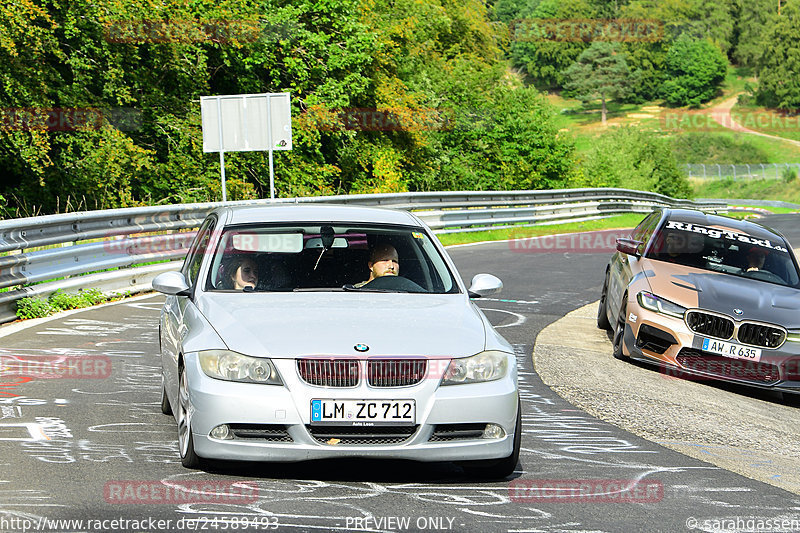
column 692, row 287
column 291, row 324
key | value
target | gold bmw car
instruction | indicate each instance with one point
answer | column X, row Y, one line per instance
column 706, row 296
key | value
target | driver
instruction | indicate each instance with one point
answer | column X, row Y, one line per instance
column 755, row 259
column 383, row 261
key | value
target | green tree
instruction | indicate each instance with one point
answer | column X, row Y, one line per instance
column 778, row 67
column 695, row 69
column 599, row 72
column 546, row 41
column 753, row 19
column 698, row 19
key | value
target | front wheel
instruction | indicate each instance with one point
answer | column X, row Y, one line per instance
column 499, row 468
column 619, row 330
column 602, row 308
column 189, row 459
column 165, row 407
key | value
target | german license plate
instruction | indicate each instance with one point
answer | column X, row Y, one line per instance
column 364, row 412
column 732, row 350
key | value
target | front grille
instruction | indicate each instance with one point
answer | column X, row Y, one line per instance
column 268, row 432
column 761, row 335
column 449, row 432
column 359, row 435
column 711, row 325
column 725, row 367
column 395, row 372
column 329, row 372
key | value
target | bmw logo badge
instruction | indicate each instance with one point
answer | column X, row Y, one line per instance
column 738, row 312
column 361, row 347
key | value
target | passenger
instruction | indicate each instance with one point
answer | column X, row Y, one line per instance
column 239, row 272
column 383, row 261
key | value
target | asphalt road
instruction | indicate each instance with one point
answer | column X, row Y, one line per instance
column 75, row 449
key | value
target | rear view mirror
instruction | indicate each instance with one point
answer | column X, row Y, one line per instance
column 628, row 246
column 285, row 243
column 316, row 242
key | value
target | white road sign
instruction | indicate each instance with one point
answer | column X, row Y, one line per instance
column 250, row 122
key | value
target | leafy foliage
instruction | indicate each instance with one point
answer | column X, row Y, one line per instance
column 777, row 68
column 695, row 70
column 538, row 46
column 151, row 61
column 58, row 301
column 33, row 308
column 634, row 159
column 710, row 148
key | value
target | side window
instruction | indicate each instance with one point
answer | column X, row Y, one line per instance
column 191, row 267
column 645, row 229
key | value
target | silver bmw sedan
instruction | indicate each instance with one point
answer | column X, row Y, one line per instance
column 310, row 332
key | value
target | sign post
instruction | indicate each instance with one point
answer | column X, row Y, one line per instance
column 245, row 123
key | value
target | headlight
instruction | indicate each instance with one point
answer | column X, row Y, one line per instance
column 793, row 336
column 660, row 305
column 485, row 366
column 232, row 366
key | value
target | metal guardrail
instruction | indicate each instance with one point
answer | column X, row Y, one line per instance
column 81, row 244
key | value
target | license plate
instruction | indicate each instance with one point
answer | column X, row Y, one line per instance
column 732, row 350
column 364, row 412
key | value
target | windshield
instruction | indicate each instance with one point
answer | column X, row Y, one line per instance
column 319, row 257
column 764, row 257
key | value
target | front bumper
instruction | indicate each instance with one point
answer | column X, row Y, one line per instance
column 668, row 342
column 214, row 402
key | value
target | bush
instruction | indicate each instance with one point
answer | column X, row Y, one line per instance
column 62, row 301
column 710, row 148
column 634, row 159
column 93, row 296
column 695, row 70
column 789, row 174
column 33, row 308
column 58, row 301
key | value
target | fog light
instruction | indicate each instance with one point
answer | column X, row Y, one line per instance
column 222, row 432
column 493, row 431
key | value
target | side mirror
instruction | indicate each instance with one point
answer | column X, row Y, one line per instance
column 628, row 246
column 484, row 285
column 172, row 283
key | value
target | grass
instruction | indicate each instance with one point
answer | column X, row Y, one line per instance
column 625, row 221
column 768, row 121
column 584, row 124
column 755, row 189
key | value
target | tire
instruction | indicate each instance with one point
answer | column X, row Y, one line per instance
column 619, row 330
column 189, row 459
column 165, row 407
column 499, row 468
column 602, row 310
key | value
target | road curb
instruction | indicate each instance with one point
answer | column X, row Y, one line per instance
column 744, row 431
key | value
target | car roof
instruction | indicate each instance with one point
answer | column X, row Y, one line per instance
column 700, row 218
column 333, row 213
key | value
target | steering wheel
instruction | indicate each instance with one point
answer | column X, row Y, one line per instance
column 765, row 275
column 393, row 283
